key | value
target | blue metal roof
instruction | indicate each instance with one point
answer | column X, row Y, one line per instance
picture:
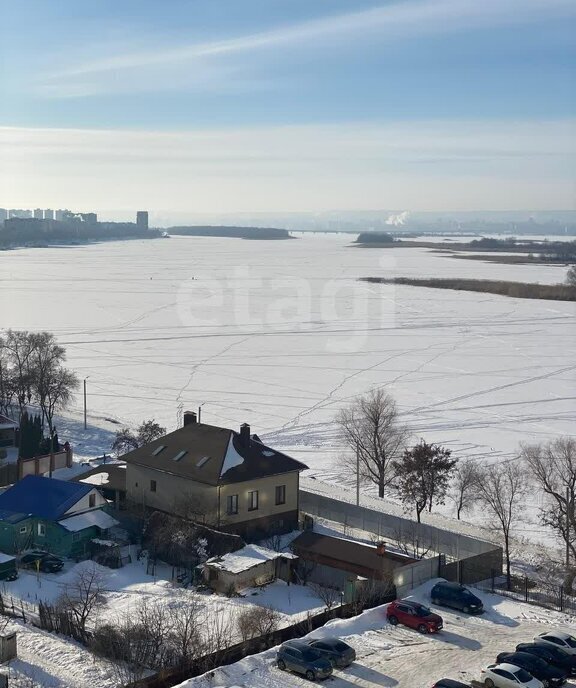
column 43, row 497
column 12, row 516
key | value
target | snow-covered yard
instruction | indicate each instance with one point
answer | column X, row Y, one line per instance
column 397, row 656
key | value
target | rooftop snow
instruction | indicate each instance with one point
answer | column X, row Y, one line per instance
column 89, row 518
column 232, row 458
column 246, row 558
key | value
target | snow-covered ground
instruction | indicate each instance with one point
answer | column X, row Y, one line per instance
column 127, row 586
column 57, row 662
column 282, row 335
column 398, row 656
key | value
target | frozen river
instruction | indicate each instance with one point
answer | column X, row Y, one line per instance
column 282, row 335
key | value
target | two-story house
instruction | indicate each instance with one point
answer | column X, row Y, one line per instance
column 227, row 479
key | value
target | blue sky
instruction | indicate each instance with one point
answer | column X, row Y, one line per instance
column 218, row 77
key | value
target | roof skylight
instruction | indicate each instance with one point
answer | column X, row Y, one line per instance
column 203, row 461
column 180, row 455
column 158, row 450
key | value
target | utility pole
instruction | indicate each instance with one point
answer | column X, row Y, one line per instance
column 357, row 474
column 568, row 507
column 85, row 426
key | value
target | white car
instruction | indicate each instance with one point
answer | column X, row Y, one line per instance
column 559, row 639
column 508, row 676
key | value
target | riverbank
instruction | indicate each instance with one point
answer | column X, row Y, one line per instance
column 517, row 290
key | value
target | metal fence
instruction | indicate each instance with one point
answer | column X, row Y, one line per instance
column 524, row 589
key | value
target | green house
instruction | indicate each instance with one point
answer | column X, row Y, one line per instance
column 53, row 515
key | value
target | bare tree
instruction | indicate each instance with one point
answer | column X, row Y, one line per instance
column 371, row 426
column 501, row 489
column 57, row 393
column 330, row 596
column 463, row 493
column 84, row 595
column 411, row 542
column 126, row 440
column 256, row 621
column 571, row 276
column 552, row 467
column 185, row 623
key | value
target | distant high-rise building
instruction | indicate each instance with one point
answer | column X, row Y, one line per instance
column 142, row 219
column 18, row 212
column 48, row 214
column 38, row 214
column 89, row 218
column 3, row 214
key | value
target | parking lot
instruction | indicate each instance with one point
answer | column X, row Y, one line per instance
column 397, row 656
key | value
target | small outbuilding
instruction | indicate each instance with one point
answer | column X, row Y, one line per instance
column 8, row 570
column 248, row 567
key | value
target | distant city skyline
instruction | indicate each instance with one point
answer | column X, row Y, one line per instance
column 239, row 106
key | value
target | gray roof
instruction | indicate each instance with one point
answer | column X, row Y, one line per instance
column 212, row 455
column 345, row 551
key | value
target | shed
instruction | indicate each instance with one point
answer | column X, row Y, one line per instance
column 8, row 569
column 250, row 566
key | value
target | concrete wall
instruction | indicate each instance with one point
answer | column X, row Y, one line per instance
column 258, row 575
column 267, row 507
column 451, row 544
column 408, row 577
column 171, row 492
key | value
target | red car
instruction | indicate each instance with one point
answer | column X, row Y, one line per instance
column 414, row 615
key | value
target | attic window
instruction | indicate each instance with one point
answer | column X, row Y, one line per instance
column 158, row 450
column 180, row 455
column 268, row 452
column 203, row 461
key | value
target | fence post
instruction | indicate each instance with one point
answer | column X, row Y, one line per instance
column 561, row 598
column 526, row 588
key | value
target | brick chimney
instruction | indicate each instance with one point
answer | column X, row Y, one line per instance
column 189, row 418
column 245, row 435
column 381, row 549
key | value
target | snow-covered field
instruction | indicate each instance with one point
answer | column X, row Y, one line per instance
column 282, row 335
column 397, row 656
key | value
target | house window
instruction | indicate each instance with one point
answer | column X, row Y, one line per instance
column 280, row 494
column 232, row 504
column 23, row 529
column 41, row 529
column 91, row 500
column 152, row 486
column 253, row 500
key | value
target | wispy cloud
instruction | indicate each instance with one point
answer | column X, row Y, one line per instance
column 393, row 21
column 420, row 165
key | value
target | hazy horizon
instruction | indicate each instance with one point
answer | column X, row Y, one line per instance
column 237, row 107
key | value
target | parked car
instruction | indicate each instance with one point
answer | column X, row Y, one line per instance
column 508, row 676
column 549, row 675
column 456, row 596
column 337, row 652
column 414, row 615
column 46, row 562
column 559, row 639
column 298, row 656
column 450, row 683
column 551, row 654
